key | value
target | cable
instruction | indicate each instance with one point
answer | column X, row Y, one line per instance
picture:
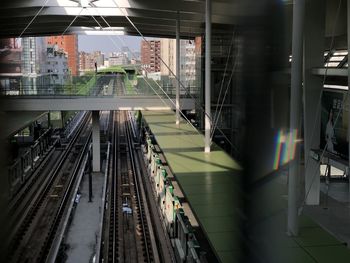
column 323, row 152
column 72, row 22
column 176, row 77
column 223, row 100
column 32, row 20
column 223, row 79
column 324, row 79
column 116, row 45
column 145, row 79
column 318, row 108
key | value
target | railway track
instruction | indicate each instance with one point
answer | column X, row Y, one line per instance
column 129, row 230
column 33, row 238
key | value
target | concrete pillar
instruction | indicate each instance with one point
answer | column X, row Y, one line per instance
column 96, row 141
column 49, row 119
column 348, row 20
column 313, row 58
column 178, row 69
column 295, row 113
column 207, row 73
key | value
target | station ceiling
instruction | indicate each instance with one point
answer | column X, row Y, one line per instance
column 151, row 17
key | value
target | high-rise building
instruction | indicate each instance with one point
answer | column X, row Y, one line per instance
column 10, row 65
column 82, row 60
column 187, row 63
column 168, row 54
column 150, row 55
column 86, row 61
column 69, row 44
column 137, row 55
column 33, row 55
column 10, row 56
column 126, row 50
column 98, row 57
column 57, row 65
column 43, row 65
column 10, row 43
column 119, row 59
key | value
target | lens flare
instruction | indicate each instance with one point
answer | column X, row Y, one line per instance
column 285, row 147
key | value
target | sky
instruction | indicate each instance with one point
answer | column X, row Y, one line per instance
column 105, row 44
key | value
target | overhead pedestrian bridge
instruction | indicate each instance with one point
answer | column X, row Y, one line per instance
column 100, row 92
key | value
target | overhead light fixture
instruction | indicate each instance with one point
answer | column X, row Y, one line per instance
column 339, row 87
column 102, row 33
column 85, row 3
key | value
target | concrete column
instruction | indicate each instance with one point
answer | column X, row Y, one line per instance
column 207, row 73
column 313, row 58
column 96, row 141
column 295, row 112
column 49, row 119
column 348, row 20
column 178, row 69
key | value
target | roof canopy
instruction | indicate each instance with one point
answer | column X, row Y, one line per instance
column 151, row 17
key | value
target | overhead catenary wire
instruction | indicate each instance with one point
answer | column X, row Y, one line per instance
column 171, row 101
column 32, row 20
column 223, row 100
column 116, row 45
column 225, row 93
column 71, row 23
column 172, row 73
column 222, row 81
column 176, row 77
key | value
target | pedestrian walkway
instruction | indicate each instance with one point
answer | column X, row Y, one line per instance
column 82, row 234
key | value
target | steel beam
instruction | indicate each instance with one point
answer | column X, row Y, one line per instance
column 178, row 69
column 96, row 165
column 207, row 100
column 295, row 113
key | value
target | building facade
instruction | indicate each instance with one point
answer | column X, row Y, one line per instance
column 57, row 65
column 69, row 44
column 168, row 54
column 86, row 62
column 188, row 64
column 119, row 58
column 10, row 65
column 150, row 55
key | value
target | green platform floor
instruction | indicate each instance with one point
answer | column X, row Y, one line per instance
column 210, row 183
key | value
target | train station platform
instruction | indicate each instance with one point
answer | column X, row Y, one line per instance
column 16, row 121
column 211, row 184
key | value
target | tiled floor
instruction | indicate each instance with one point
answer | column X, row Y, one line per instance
column 333, row 213
column 211, row 184
column 208, row 180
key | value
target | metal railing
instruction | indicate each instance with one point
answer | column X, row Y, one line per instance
column 94, row 86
